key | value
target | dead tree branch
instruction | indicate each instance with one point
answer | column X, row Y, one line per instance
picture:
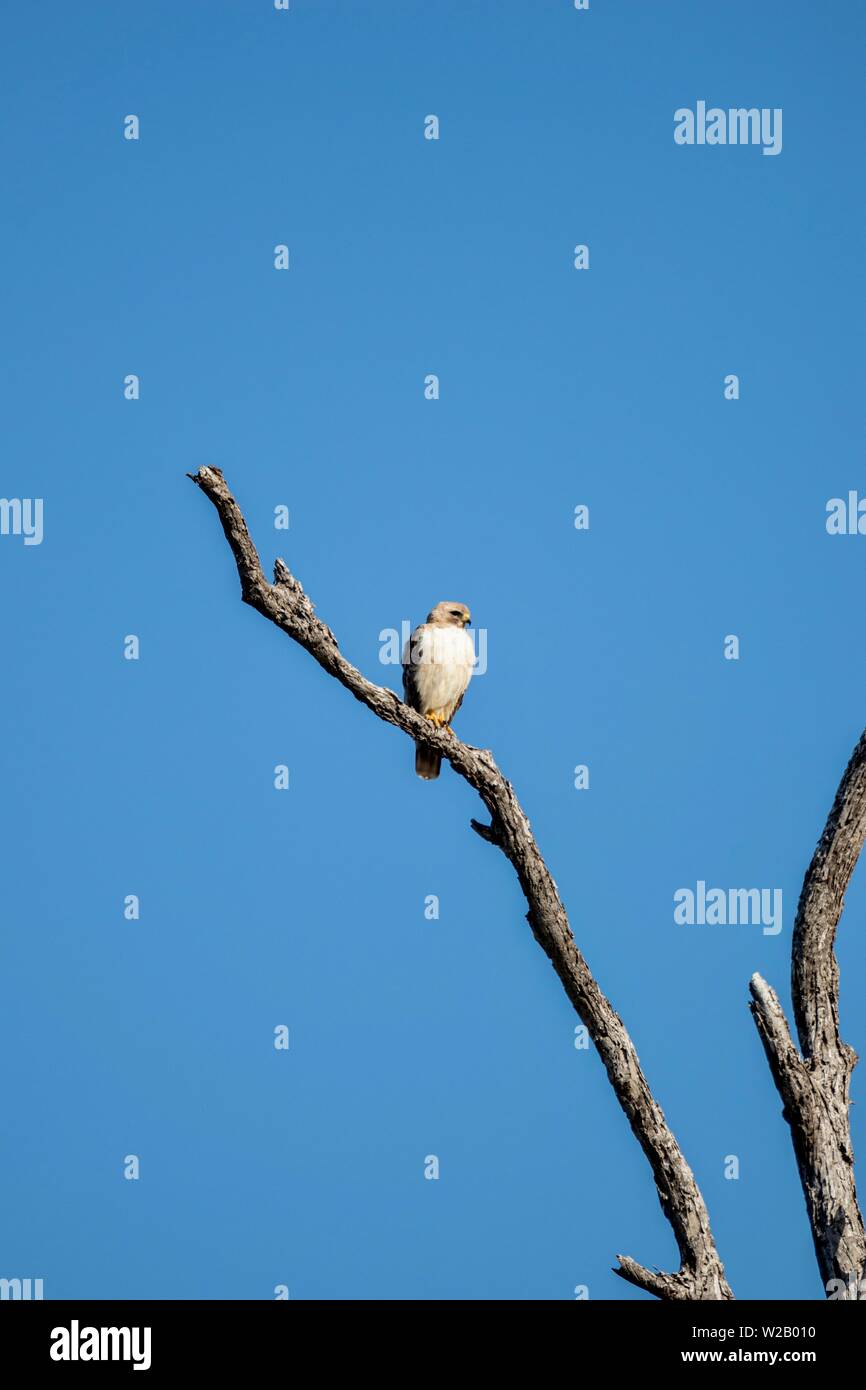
column 701, row 1274
column 814, row 1083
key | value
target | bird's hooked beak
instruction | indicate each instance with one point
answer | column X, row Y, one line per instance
column 467, row 618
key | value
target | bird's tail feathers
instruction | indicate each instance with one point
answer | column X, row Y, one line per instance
column 427, row 762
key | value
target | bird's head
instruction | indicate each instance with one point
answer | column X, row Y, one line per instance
column 448, row 614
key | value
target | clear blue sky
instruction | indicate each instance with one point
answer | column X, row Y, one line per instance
column 558, row 387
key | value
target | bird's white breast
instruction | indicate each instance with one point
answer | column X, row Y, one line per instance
column 443, row 658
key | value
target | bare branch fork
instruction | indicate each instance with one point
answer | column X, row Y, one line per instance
column 814, row 1083
column 701, row 1274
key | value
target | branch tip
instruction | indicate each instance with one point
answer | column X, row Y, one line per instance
column 490, row 833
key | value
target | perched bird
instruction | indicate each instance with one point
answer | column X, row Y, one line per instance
column 437, row 666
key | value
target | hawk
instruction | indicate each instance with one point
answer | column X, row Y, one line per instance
column 437, row 666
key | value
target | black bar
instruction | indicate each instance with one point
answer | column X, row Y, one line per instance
column 224, row 1338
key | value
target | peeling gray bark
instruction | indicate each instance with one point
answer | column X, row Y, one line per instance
column 814, row 1083
column 701, row 1274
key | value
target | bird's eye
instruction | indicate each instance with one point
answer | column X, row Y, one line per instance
column 455, row 613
